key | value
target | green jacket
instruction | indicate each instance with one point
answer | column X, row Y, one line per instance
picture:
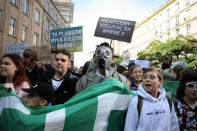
column 91, row 78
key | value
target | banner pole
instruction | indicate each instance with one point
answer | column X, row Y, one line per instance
column 110, row 43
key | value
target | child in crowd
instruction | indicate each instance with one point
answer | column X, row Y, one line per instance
column 42, row 94
column 151, row 110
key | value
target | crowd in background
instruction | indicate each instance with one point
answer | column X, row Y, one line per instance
column 40, row 84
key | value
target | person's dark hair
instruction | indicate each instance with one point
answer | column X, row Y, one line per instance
column 85, row 68
column 120, row 69
column 186, row 76
column 152, row 68
column 178, row 69
column 104, row 44
column 20, row 75
column 165, row 66
column 65, row 52
column 30, row 52
column 49, row 69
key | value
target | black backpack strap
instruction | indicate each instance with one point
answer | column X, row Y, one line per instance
column 169, row 102
column 139, row 106
column 175, row 102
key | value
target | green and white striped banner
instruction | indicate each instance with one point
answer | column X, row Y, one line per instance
column 101, row 107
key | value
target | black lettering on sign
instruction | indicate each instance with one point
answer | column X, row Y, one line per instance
column 116, row 29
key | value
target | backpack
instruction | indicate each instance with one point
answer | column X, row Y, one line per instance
column 140, row 104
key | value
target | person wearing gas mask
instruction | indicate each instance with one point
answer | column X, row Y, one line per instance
column 100, row 69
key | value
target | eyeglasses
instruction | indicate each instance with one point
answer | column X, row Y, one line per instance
column 34, row 59
column 105, row 52
column 190, row 85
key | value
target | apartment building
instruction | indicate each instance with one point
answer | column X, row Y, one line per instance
column 66, row 8
column 173, row 18
column 52, row 19
column 25, row 21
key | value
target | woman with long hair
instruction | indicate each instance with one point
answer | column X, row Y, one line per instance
column 12, row 71
column 136, row 74
column 186, row 101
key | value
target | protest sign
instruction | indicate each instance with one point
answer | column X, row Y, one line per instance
column 142, row 63
column 70, row 39
column 115, row 29
column 16, row 48
column 182, row 63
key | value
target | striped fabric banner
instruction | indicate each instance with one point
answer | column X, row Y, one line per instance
column 101, row 107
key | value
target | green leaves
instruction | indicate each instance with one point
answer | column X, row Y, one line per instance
column 182, row 48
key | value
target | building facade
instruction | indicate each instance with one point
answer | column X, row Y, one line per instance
column 173, row 18
column 26, row 21
column 66, row 8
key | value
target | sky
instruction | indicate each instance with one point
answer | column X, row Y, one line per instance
column 87, row 13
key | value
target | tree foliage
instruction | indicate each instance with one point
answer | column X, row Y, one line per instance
column 118, row 60
column 182, row 48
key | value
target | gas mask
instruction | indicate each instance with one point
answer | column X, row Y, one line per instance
column 103, row 57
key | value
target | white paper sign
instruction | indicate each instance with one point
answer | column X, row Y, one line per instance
column 142, row 63
column 16, row 48
column 182, row 63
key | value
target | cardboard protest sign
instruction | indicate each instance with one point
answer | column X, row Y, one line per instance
column 182, row 63
column 16, row 48
column 115, row 29
column 44, row 52
column 142, row 63
column 70, row 39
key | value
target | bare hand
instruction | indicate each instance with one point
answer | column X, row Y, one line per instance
column 9, row 86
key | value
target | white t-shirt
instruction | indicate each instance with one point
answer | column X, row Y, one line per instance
column 56, row 83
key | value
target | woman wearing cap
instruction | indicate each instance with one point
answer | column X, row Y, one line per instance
column 12, row 71
column 136, row 74
column 186, row 102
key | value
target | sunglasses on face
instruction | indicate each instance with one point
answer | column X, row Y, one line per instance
column 190, row 85
column 34, row 59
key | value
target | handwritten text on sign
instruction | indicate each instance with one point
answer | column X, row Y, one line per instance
column 69, row 38
column 116, row 29
column 16, row 48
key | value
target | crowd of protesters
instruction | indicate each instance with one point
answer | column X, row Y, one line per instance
column 154, row 108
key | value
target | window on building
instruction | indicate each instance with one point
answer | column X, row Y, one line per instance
column 177, row 31
column 168, row 34
column 12, row 27
column 168, row 13
column 36, row 39
column 187, row 2
column 168, row 25
column 26, row 7
column 177, row 20
column 37, row 16
column 161, row 30
column 0, row 19
column 15, row 2
column 24, row 33
column 188, row 28
column 177, row 6
column 161, row 18
column 47, row 25
column 154, row 21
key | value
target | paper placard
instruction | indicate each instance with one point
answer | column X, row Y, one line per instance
column 16, row 48
column 115, row 29
column 142, row 63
